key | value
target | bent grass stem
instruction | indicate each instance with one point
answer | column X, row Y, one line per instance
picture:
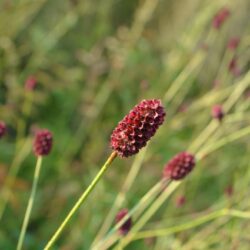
column 192, row 224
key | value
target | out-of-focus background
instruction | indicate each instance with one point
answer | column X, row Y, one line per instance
column 92, row 61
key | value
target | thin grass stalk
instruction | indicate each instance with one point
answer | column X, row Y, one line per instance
column 134, row 170
column 143, row 203
column 30, row 203
column 81, row 200
column 232, row 99
column 192, row 223
column 148, row 214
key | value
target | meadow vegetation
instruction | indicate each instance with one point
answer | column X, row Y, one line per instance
column 76, row 68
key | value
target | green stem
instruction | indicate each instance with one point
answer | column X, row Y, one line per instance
column 225, row 140
column 30, row 203
column 192, row 224
column 136, row 211
column 80, row 201
column 149, row 213
column 134, row 170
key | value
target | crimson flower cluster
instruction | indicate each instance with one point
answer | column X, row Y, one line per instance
column 180, row 201
column 136, row 128
column 233, row 43
column 30, row 83
column 217, row 112
column 220, row 17
column 126, row 226
column 43, row 142
column 2, row 129
column 179, row 166
column 233, row 66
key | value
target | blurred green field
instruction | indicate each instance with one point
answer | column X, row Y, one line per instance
column 93, row 61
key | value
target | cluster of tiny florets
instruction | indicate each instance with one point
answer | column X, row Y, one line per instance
column 2, row 129
column 233, row 43
column 133, row 132
column 30, row 83
column 233, row 66
column 217, row 112
column 220, row 17
column 126, row 226
column 43, row 142
column 179, row 166
column 180, row 201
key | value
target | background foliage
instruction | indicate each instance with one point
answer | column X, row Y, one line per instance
column 94, row 60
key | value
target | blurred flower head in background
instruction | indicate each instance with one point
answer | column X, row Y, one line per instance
column 2, row 129
column 179, row 166
column 180, row 201
column 43, row 142
column 217, row 112
column 220, row 17
column 233, row 43
column 30, row 83
column 126, row 226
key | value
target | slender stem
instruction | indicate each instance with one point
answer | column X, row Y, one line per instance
column 225, row 140
column 136, row 211
column 134, row 170
column 192, row 224
column 149, row 213
column 30, row 203
column 80, row 201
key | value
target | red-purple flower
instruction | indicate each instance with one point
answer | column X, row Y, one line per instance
column 2, row 129
column 217, row 112
column 30, row 83
column 220, row 17
column 43, row 142
column 179, row 166
column 233, row 43
column 136, row 128
column 233, row 66
column 126, row 226
column 180, row 201
column 229, row 190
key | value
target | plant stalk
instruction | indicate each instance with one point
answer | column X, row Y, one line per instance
column 81, row 200
column 30, row 203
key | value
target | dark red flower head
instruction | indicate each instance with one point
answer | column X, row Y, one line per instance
column 229, row 190
column 217, row 112
column 126, row 226
column 43, row 142
column 233, row 66
column 233, row 43
column 180, row 201
column 179, row 166
column 136, row 128
column 220, row 17
column 30, row 83
column 2, row 129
